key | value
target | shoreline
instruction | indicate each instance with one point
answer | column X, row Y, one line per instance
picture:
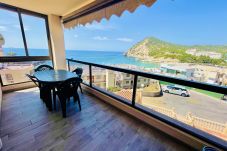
column 170, row 61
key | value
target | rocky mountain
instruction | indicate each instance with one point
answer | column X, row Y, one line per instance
column 153, row 49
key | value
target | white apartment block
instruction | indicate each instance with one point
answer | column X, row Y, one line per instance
column 125, row 81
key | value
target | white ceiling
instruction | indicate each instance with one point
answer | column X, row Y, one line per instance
column 57, row 7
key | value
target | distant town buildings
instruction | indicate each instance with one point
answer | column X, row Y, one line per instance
column 213, row 55
column 211, row 74
column 106, row 78
column 195, row 72
column 222, row 78
column 125, row 81
column 181, row 71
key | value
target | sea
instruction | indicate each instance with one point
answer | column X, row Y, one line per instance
column 99, row 57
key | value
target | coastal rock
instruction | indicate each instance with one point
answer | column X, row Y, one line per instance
column 140, row 50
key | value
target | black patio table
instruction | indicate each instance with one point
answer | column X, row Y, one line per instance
column 50, row 79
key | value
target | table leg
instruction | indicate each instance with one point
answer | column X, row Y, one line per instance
column 47, row 98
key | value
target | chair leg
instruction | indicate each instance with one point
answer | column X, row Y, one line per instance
column 54, row 98
column 78, row 99
column 40, row 91
column 80, row 89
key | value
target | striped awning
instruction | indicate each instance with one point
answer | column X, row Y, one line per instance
column 115, row 7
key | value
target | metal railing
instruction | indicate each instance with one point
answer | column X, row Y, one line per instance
column 210, row 139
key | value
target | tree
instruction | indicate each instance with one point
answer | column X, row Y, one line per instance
column 11, row 53
column 113, row 89
column 2, row 40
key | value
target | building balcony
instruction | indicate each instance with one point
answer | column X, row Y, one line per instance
column 27, row 124
column 122, row 108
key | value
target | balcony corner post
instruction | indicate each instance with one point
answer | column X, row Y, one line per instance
column 134, row 90
column 90, row 75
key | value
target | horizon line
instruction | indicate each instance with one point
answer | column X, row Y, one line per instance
column 69, row 49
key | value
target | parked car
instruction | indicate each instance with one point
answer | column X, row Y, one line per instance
column 175, row 89
column 224, row 97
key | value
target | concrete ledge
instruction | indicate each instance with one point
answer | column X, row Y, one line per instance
column 16, row 87
column 0, row 112
column 172, row 131
column 151, row 94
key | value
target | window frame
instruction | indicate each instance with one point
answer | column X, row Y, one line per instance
column 21, row 11
column 26, row 58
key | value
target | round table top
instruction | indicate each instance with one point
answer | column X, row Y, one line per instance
column 53, row 76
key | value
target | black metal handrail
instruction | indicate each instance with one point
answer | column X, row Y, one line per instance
column 190, row 83
column 213, row 140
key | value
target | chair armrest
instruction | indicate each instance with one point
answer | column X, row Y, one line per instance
column 33, row 79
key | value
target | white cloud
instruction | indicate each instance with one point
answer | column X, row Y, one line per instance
column 3, row 28
column 75, row 36
column 100, row 38
column 26, row 28
column 98, row 26
column 16, row 26
column 125, row 39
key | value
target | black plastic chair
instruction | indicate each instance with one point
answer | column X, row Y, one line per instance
column 43, row 89
column 66, row 90
column 79, row 72
column 44, row 67
column 33, row 79
column 207, row 148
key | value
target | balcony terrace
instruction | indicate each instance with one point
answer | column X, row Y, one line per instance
column 116, row 113
column 26, row 124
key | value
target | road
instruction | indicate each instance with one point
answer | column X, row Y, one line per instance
column 198, row 104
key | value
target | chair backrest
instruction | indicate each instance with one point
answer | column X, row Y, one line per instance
column 33, row 79
column 207, row 148
column 69, row 87
column 43, row 68
column 78, row 71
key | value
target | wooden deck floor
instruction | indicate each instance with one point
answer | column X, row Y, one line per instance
column 27, row 125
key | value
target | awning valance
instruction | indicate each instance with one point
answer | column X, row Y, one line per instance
column 115, row 7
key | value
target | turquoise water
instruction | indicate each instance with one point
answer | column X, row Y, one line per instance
column 100, row 57
column 108, row 58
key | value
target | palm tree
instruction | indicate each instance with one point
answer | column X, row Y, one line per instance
column 2, row 41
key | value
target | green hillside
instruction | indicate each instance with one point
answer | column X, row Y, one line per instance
column 160, row 49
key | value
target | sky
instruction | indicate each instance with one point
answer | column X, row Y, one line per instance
column 186, row 22
column 35, row 30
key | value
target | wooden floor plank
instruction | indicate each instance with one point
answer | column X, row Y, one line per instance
column 26, row 124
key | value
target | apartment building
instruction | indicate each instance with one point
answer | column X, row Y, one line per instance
column 101, row 78
column 181, row 71
column 125, row 81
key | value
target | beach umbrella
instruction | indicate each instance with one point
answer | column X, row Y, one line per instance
column 2, row 41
